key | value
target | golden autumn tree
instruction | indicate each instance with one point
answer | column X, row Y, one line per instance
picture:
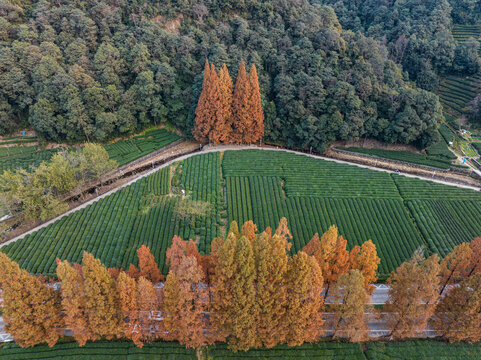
column 147, row 265
column 226, row 90
column 241, row 117
column 74, row 301
column 456, row 265
column 180, row 249
column 351, row 298
column 475, row 246
column 209, row 109
column 31, row 310
column 331, row 254
column 233, row 293
column 256, row 131
column 364, row 258
column 303, row 319
column 234, row 229
column 413, row 293
column 271, row 260
column 129, row 307
column 249, row 230
column 102, row 302
column 171, row 308
column 282, row 231
column 149, row 311
column 186, row 303
column 458, row 314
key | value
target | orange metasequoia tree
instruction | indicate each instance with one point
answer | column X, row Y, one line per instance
column 241, row 117
column 456, row 265
column 249, row 230
column 226, row 91
column 256, row 131
column 186, row 300
column 304, row 282
column 234, row 294
column 74, row 301
column 209, row 111
column 351, row 299
column 475, row 246
column 147, row 265
column 271, row 260
column 129, row 307
column 364, row 258
column 102, row 301
column 331, row 254
column 149, row 311
column 413, row 293
column 458, row 314
column 31, row 309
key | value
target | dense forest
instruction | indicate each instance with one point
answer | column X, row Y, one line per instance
column 91, row 70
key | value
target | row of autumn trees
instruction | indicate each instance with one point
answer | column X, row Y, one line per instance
column 248, row 292
column 225, row 114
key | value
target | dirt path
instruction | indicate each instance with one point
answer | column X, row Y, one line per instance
column 220, row 148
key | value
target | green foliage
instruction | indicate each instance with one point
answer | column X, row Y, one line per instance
column 101, row 350
column 422, row 350
column 123, row 66
column 409, row 157
column 125, row 151
column 398, row 213
column 456, row 93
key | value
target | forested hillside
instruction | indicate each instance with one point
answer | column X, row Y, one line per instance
column 417, row 33
column 92, row 69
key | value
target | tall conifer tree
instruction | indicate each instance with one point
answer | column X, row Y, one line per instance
column 129, row 306
column 271, row 300
column 256, row 132
column 74, row 301
column 242, row 119
column 209, row 112
column 226, row 90
column 364, row 258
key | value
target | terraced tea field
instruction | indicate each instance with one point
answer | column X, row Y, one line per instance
column 398, row 213
column 462, row 33
column 125, row 151
column 456, row 92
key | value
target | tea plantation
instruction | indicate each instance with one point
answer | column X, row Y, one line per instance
column 398, row 213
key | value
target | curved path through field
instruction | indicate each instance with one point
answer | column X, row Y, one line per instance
column 220, row 148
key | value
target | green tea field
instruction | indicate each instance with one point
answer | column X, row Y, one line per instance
column 398, row 213
column 103, row 350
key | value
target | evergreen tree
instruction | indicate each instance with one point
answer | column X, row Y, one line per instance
column 241, row 117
